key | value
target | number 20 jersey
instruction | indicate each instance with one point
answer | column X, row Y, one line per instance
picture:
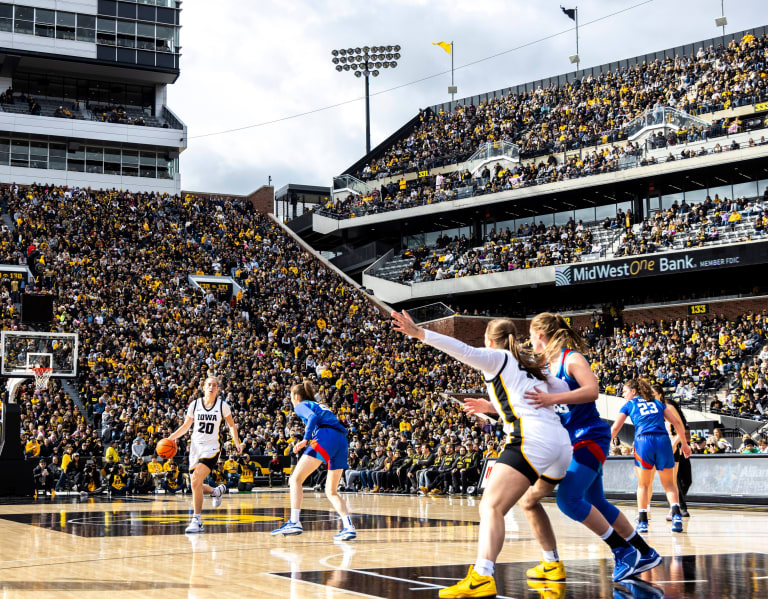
column 206, row 423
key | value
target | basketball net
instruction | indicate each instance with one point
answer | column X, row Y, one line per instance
column 42, row 376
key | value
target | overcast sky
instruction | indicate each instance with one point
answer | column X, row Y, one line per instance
column 245, row 62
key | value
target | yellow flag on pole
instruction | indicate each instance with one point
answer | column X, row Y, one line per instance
column 444, row 45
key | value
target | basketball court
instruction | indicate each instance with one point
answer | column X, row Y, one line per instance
column 406, row 547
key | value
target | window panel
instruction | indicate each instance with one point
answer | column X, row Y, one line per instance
column 745, row 190
column 601, row 212
column 130, row 163
column 65, row 25
column 19, row 153
column 5, row 151
column 585, row 214
column 86, row 28
column 24, row 21
column 723, row 192
column 57, row 157
column 94, row 160
column 38, row 154
column 45, row 17
column 112, row 161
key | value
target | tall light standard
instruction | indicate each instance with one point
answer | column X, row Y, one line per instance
column 366, row 62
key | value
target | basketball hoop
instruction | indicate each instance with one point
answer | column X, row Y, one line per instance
column 42, row 376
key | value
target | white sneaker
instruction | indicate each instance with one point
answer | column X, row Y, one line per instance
column 289, row 528
column 195, row 526
column 345, row 534
column 218, row 495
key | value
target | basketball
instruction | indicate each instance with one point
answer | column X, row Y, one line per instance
column 166, row 449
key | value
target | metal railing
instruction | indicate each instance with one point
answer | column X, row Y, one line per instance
column 489, row 151
column 349, row 182
column 663, row 117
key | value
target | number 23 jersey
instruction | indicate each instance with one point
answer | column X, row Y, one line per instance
column 647, row 416
column 206, row 422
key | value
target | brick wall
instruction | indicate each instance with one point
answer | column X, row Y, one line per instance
column 263, row 199
column 731, row 309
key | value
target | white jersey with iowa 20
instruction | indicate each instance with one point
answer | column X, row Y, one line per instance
column 206, row 423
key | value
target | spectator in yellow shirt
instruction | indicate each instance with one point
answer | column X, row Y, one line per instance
column 112, row 452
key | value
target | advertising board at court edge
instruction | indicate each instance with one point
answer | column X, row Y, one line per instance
column 647, row 265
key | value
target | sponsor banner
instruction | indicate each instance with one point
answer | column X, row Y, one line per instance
column 649, row 265
column 761, row 106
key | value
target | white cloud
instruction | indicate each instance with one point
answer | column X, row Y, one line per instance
column 246, row 62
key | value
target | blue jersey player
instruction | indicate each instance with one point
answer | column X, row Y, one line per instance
column 326, row 441
column 653, row 447
column 580, row 494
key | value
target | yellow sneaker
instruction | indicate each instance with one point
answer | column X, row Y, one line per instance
column 548, row 589
column 473, row 585
column 547, row 571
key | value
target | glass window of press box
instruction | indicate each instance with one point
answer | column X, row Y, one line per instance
column 86, row 91
column 144, row 32
column 87, row 158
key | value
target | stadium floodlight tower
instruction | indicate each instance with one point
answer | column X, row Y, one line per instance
column 366, row 62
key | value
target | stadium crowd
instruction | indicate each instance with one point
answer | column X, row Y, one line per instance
column 148, row 338
column 550, row 122
column 695, row 225
column 118, row 262
column 584, row 112
column 687, row 357
column 531, row 246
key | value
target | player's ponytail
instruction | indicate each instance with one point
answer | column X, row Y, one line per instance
column 504, row 334
column 304, row 391
column 640, row 387
column 558, row 333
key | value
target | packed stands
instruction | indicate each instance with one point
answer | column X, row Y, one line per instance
column 118, row 265
column 585, row 112
column 573, row 131
column 712, row 222
column 689, row 358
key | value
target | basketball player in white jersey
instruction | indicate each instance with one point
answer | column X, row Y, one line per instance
column 205, row 416
column 537, row 445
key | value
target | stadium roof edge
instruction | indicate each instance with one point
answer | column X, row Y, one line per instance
column 610, row 66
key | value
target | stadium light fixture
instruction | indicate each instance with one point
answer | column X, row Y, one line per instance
column 365, row 62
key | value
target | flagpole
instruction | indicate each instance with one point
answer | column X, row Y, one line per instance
column 453, row 94
column 577, row 36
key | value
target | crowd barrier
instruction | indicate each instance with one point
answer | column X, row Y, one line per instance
column 719, row 478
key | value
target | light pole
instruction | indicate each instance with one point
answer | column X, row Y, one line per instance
column 366, row 62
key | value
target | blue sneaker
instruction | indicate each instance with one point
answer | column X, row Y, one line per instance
column 642, row 527
column 640, row 589
column 626, row 562
column 677, row 523
column 345, row 534
column 289, row 528
column 648, row 561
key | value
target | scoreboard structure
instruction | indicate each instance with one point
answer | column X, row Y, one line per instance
column 223, row 288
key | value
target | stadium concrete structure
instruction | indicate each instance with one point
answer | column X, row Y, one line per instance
column 372, row 243
column 89, row 102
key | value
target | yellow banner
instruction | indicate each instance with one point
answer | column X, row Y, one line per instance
column 761, row 106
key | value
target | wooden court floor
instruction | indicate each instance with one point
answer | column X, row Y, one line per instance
column 406, row 547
